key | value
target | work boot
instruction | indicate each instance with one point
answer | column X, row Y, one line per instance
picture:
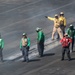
column 62, row 59
column 52, row 39
column 27, row 60
column 69, row 59
column 71, row 51
column 1, row 59
column 23, row 60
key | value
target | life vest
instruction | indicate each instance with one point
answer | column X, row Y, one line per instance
column 0, row 42
column 61, row 19
column 71, row 33
column 43, row 37
column 24, row 41
column 65, row 42
column 56, row 23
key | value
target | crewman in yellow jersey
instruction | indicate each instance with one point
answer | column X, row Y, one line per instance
column 56, row 26
column 62, row 20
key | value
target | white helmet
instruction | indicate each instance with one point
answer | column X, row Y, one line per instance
column 24, row 34
column 56, row 15
column 65, row 34
column 37, row 29
column 71, row 25
column 61, row 13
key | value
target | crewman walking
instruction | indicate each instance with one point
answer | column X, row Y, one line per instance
column 1, row 48
column 71, row 34
column 65, row 41
column 40, row 41
column 24, row 46
column 56, row 26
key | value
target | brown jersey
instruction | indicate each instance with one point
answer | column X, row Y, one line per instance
column 24, row 41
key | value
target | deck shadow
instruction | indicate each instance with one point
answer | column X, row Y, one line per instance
column 48, row 54
column 34, row 60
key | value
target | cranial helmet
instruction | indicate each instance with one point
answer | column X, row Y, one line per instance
column 71, row 26
column 56, row 15
column 24, row 34
column 61, row 13
column 65, row 34
column 38, row 29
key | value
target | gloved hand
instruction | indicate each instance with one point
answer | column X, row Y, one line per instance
column 46, row 16
column 68, row 43
column 38, row 42
column 71, row 37
column 64, row 26
column 27, row 47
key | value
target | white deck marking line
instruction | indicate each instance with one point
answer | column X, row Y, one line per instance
column 21, row 6
column 14, row 56
column 33, row 54
column 42, row 67
column 36, row 15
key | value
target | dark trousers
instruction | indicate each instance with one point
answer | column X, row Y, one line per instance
column 66, row 49
column 40, row 47
column 25, row 53
column 63, row 30
column 1, row 55
column 72, row 45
